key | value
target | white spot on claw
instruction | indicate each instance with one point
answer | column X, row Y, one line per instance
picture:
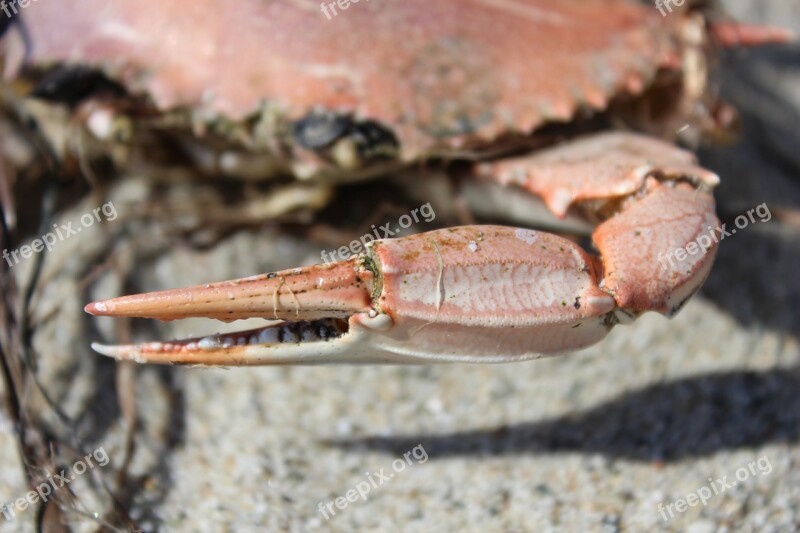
column 526, row 235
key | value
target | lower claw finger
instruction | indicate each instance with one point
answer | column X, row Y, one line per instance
column 230, row 348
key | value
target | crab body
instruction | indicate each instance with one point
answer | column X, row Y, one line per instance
column 388, row 84
column 286, row 88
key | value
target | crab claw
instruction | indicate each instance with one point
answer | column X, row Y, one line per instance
column 472, row 293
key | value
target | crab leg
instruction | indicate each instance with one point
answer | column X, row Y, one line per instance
column 654, row 202
column 472, row 293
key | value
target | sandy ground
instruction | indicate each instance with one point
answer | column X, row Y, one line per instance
column 690, row 424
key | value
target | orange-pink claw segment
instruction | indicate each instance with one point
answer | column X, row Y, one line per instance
column 319, row 291
column 599, row 166
column 659, row 250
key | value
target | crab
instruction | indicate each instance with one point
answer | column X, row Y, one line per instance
column 576, row 104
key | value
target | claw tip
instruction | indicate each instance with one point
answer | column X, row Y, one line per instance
column 118, row 352
column 102, row 348
column 96, row 308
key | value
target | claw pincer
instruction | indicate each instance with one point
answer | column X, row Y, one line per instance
column 473, row 293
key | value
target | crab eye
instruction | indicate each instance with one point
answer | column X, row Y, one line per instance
column 373, row 140
column 320, row 130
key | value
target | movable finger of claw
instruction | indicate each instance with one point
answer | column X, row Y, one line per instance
column 319, row 291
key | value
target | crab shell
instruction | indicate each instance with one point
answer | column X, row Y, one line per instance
column 435, row 81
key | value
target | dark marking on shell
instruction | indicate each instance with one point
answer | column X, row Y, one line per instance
column 71, row 84
column 374, row 140
column 319, row 130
